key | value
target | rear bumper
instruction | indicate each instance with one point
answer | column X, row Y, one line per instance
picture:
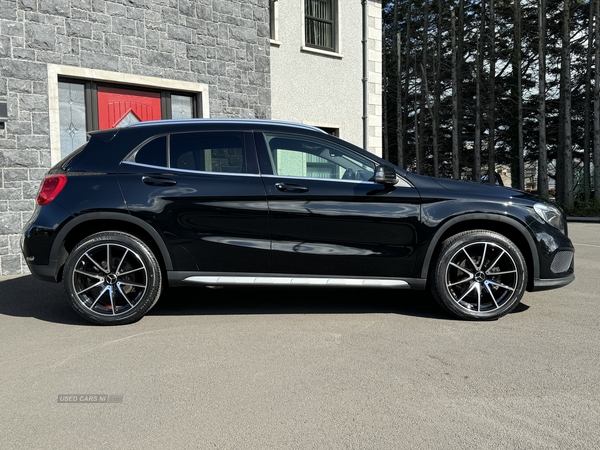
column 43, row 272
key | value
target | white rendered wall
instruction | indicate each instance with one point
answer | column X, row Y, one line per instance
column 325, row 88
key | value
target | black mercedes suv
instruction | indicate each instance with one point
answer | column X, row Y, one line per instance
column 224, row 202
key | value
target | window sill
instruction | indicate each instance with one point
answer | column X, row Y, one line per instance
column 275, row 43
column 321, row 52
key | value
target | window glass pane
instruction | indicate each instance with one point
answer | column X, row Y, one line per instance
column 320, row 24
column 154, row 153
column 313, row 158
column 208, row 152
column 182, row 107
column 272, row 19
column 73, row 127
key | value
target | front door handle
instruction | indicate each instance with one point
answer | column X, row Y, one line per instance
column 286, row 187
column 158, row 181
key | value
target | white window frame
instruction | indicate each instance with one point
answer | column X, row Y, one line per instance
column 337, row 52
column 274, row 22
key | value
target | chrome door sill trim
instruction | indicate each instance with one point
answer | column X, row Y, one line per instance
column 298, row 281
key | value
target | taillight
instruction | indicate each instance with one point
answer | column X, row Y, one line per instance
column 50, row 188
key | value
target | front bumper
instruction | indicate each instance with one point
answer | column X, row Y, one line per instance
column 543, row 285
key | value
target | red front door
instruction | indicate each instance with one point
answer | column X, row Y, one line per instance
column 119, row 107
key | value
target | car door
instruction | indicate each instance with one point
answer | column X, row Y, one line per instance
column 201, row 191
column 327, row 216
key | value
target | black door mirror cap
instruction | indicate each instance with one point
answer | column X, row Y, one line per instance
column 385, row 175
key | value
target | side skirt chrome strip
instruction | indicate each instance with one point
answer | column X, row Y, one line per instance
column 298, row 281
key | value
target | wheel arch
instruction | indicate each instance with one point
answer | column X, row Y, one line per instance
column 506, row 226
column 90, row 223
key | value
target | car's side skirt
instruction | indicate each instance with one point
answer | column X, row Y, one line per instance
column 187, row 278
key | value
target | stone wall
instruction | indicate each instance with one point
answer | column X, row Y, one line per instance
column 221, row 43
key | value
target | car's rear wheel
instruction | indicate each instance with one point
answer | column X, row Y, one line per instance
column 479, row 275
column 112, row 278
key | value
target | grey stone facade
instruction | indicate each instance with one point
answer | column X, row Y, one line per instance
column 223, row 44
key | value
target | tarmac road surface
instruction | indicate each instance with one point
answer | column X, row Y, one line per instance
column 304, row 369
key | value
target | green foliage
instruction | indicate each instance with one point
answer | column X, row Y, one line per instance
column 589, row 208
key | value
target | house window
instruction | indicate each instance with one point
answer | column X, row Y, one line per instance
column 332, row 131
column 273, row 19
column 73, row 119
column 320, row 24
column 86, row 106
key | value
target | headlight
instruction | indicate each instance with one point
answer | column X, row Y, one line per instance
column 551, row 215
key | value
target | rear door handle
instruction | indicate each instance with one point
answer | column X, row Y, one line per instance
column 285, row 187
column 158, row 181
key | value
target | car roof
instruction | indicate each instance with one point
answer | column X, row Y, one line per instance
column 224, row 121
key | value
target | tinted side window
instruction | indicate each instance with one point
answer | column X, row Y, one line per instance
column 154, row 153
column 313, row 158
column 208, row 152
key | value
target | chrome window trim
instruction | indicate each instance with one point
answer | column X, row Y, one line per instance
column 400, row 183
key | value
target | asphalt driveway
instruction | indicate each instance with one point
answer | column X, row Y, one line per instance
column 296, row 368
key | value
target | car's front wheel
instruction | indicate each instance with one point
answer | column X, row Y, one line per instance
column 479, row 275
column 112, row 278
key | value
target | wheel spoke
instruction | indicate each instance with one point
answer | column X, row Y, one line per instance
column 470, row 259
column 483, row 257
column 468, row 291
column 462, row 268
column 99, row 266
column 99, row 283
column 131, row 283
column 111, row 294
column 123, row 294
column 128, row 272
column 464, row 280
column 487, row 272
column 93, row 275
column 500, row 285
column 121, row 262
column 99, row 296
column 506, row 272
column 487, row 287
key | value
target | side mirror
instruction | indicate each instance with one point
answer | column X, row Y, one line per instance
column 385, row 175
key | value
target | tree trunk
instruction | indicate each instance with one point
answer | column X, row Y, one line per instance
column 492, row 100
column 460, row 41
column 422, row 111
column 384, row 100
column 437, row 94
column 408, row 50
column 519, row 69
column 542, row 181
column 476, row 173
column 455, row 156
column 568, row 146
column 587, row 106
column 399, row 109
column 596, row 158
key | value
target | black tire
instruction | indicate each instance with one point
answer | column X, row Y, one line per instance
column 479, row 275
column 112, row 278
